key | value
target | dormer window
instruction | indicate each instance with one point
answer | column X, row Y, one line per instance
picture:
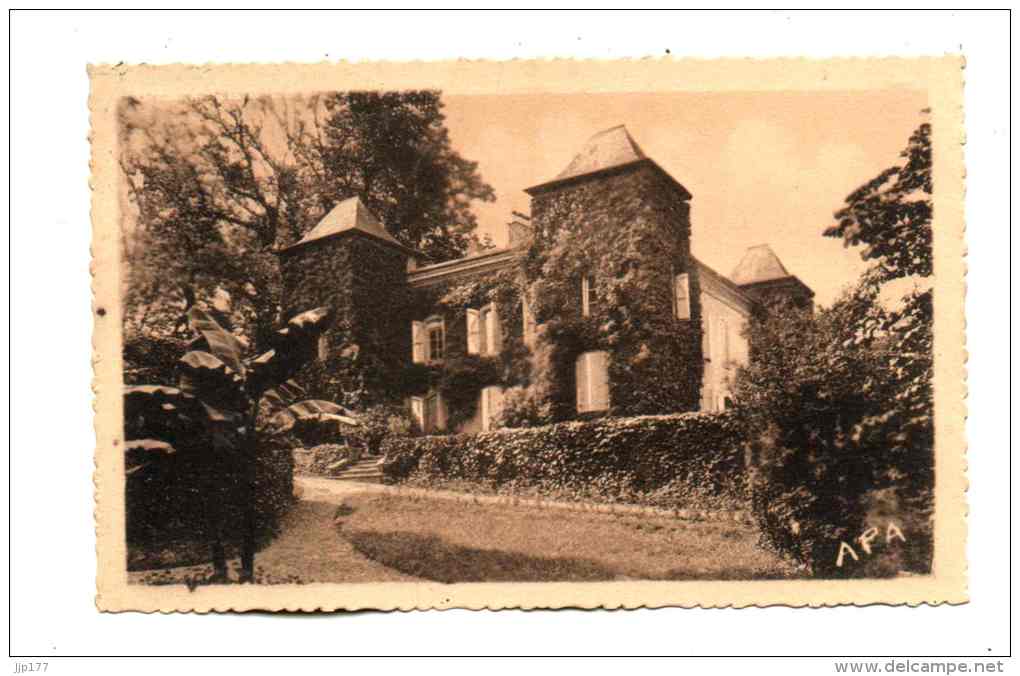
column 429, row 340
column 588, row 297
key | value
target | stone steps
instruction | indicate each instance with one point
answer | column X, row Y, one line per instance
column 367, row 470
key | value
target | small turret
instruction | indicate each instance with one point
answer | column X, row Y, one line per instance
column 762, row 276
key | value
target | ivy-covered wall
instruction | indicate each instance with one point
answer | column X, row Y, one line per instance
column 368, row 343
column 630, row 229
column 461, row 376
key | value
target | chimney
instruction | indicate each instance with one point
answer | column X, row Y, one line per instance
column 519, row 230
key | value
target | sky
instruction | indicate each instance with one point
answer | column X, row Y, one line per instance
column 763, row 167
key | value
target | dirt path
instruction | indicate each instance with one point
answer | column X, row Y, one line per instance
column 308, row 542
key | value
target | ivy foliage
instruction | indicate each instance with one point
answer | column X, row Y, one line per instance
column 629, row 235
column 690, row 460
column 460, row 376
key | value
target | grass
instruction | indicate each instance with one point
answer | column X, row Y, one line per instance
column 449, row 541
column 372, row 537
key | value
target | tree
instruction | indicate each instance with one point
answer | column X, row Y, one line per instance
column 212, row 420
column 841, row 402
column 890, row 215
column 218, row 185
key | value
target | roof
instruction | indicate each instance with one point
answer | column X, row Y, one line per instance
column 759, row 264
column 607, row 150
column 735, row 294
column 351, row 215
column 483, row 263
column 610, row 148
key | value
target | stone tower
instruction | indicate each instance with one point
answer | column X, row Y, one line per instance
column 762, row 276
column 351, row 263
column 625, row 223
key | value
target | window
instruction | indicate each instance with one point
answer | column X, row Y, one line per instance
column 429, row 412
column 588, row 296
column 682, row 297
column 592, row 379
column 483, row 329
column 491, row 405
column 428, row 340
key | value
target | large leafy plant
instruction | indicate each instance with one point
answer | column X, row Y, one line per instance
column 222, row 410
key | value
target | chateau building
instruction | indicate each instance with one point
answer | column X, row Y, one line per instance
column 597, row 298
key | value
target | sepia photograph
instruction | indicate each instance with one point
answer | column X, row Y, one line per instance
column 415, row 336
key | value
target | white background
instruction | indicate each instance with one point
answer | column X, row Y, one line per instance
column 52, row 548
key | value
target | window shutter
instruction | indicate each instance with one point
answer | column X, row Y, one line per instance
column 483, row 406
column 529, row 321
column 418, row 411
column 598, row 375
column 586, row 296
column 724, row 328
column 440, row 412
column 706, row 337
column 472, row 332
column 323, row 347
column 581, row 377
column 683, row 298
column 495, row 403
column 494, row 337
column 418, row 342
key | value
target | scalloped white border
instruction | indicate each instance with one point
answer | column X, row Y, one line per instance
column 941, row 77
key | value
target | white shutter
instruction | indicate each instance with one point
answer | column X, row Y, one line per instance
column 706, row 337
column 493, row 333
column 473, row 334
column 323, row 347
column 683, row 298
column 598, row 379
column 529, row 321
column 440, row 412
column 418, row 342
column 581, row 378
column 585, row 296
column 724, row 327
column 495, row 403
column 483, row 405
column 418, row 411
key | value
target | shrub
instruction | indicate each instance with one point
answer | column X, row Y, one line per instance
column 842, row 433
column 674, row 461
column 384, row 420
column 328, row 460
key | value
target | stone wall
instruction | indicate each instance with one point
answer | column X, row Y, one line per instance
column 632, row 229
column 368, row 343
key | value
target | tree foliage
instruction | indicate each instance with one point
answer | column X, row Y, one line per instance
column 213, row 419
column 217, row 185
column 890, row 215
column 842, row 401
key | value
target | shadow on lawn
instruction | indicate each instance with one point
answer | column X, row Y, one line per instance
column 432, row 558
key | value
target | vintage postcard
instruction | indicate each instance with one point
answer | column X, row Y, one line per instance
column 529, row 334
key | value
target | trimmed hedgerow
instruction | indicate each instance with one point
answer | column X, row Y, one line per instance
column 689, row 460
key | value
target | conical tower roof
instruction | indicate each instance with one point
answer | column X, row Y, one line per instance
column 351, row 215
column 759, row 264
column 612, row 147
column 607, row 150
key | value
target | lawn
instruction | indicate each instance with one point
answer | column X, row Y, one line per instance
column 450, row 541
column 376, row 537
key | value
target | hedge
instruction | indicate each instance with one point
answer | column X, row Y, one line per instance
column 688, row 460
